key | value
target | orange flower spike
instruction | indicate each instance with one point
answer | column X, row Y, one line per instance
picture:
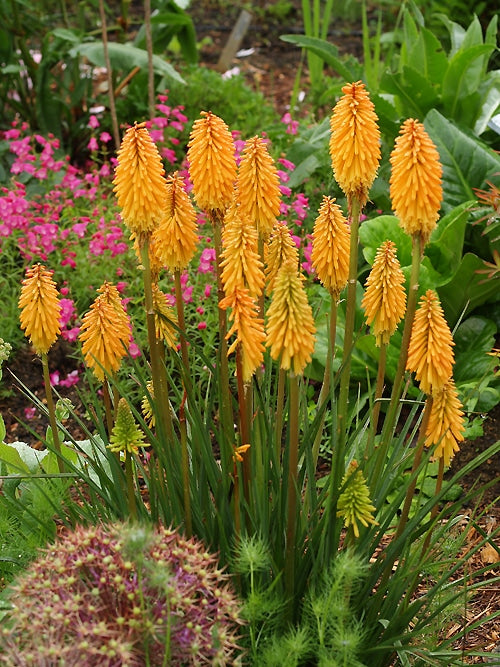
column 415, row 183
column 384, row 301
column 104, row 335
column 290, row 326
column 112, row 296
column 176, row 237
column 139, row 181
column 258, row 186
column 212, row 163
column 430, row 353
column 355, row 142
column 281, row 248
column 165, row 319
column 40, row 308
column 330, row 246
column 446, row 424
column 240, row 261
column 249, row 330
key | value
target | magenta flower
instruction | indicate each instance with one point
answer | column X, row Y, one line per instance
column 92, row 145
column 93, row 122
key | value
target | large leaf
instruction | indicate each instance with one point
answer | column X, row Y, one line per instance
column 446, row 243
column 309, row 152
column 124, row 57
column 329, row 53
column 463, row 76
column 414, row 90
column 467, row 162
column 373, row 232
column 474, row 338
column 467, row 289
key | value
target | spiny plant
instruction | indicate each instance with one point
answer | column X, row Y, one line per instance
column 121, row 595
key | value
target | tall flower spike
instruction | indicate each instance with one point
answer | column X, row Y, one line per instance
column 384, row 301
column 212, row 163
column 175, row 238
column 249, row 330
column 430, row 353
column 40, row 308
column 415, row 184
column 330, row 246
column 240, row 261
column 165, row 319
column 446, row 425
column 126, row 436
column 355, row 142
column 354, row 503
column 258, row 186
column 104, row 335
column 139, row 181
column 281, row 248
column 290, row 326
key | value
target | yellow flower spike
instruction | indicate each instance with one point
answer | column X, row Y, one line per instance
column 212, row 163
column 104, row 335
column 126, row 436
column 165, row 318
column 384, row 301
column 258, row 186
column 40, row 308
column 355, row 142
column 446, row 425
column 112, row 296
column 354, row 503
column 240, row 261
column 238, row 451
column 415, row 183
column 139, row 181
column 176, row 237
column 330, row 246
column 281, row 248
column 146, row 407
column 430, row 353
column 290, row 326
column 249, row 330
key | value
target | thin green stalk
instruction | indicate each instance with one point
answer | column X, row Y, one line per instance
column 292, row 491
column 435, row 508
column 160, row 385
column 411, row 305
column 410, row 491
column 379, row 390
column 129, row 475
column 227, row 410
column 324, row 393
column 186, row 486
column 244, row 395
column 52, row 412
column 108, row 407
column 280, row 402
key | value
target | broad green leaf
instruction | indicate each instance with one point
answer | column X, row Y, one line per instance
column 329, row 53
column 446, row 242
column 474, row 338
column 467, row 162
column 462, row 77
column 125, row 57
column 67, row 35
column 2, row 429
column 490, row 96
column 467, row 289
column 435, row 62
column 473, row 35
column 373, row 232
column 20, row 457
column 456, row 32
column 416, row 93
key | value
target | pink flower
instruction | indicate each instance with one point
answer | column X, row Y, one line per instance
column 92, row 145
column 93, row 122
column 70, row 379
column 54, row 378
column 105, row 137
column 202, row 325
column 208, row 290
column 133, row 350
column 286, row 164
column 292, row 125
column 30, row 413
column 207, row 260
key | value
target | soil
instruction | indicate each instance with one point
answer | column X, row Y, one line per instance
column 271, row 67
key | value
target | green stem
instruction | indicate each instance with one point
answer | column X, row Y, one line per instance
column 379, row 390
column 292, row 491
column 108, row 407
column 179, row 304
column 244, row 395
column 280, row 401
column 160, row 385
column 129, row 475
column 410, row 491
column 324, row 393
column 411, row 305
column 227, row 410
column 52, row 412
column 186, row 487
